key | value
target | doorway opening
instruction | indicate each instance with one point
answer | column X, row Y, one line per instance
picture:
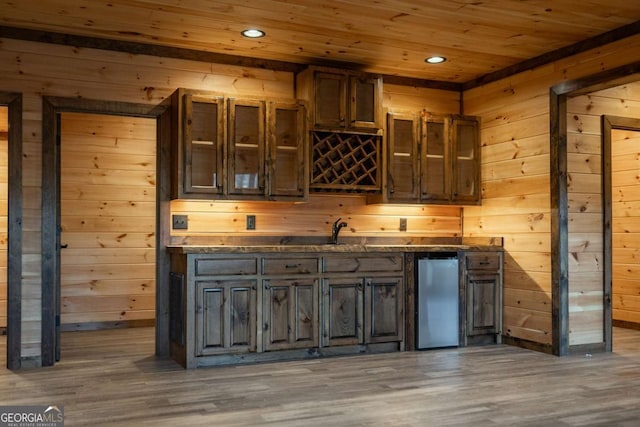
column 621, row 144
column 107, row 221
column 88, row 213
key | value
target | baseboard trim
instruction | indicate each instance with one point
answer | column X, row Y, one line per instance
column 626, row 325
column 94, row 326
column 587, row 349
column 529, row 345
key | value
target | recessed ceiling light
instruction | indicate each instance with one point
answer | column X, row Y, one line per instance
column 435, row 59
column 253, row 33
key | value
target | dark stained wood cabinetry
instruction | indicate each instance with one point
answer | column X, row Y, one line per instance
column 238, row 148
column 342, row 100
column 363, row 299
column 246, row 129
column 290, row 313
column 431, row 160
column 251, row 307
column 225, row 316
column 345, row 123
column 481, row 288
column 343, row 314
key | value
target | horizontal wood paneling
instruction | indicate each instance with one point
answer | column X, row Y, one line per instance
column 585, row 182
column 37, row 69
column 585, row 268
column 516, row 188
column 314, row 218
column 625, row 146
column 108, row 269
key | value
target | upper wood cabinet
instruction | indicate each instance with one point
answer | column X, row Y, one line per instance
column 237, row 148
column 342, row 100
column 431, row 160
column 198, row 135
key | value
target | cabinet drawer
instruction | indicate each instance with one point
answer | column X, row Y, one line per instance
column 483, row 261
column 225, row 266
column 357, row 264
column 289, row 265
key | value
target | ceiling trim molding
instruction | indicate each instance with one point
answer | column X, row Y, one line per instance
column 549, row 57
column 145, row 49
column 137, row 48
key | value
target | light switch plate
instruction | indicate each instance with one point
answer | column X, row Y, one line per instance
column 180, row 222
column 403, row 224
column 251, row 222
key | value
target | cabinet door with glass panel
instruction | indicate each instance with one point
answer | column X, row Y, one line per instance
column 246, row 146
column 403, row 180
column 435, row 162
column 465, row 149
column 286, row 160
column 203, row 145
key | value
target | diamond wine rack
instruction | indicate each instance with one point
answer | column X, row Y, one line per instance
column 343, row 161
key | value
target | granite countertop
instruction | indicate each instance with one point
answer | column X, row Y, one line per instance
column 326, row 248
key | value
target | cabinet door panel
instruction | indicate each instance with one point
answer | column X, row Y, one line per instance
column 278, row 314
column 364, row 102
column 246, row 147
column 482, row 294
column 203, row 141
column 213, row 324
column 403, row 157
column 225, row 316
column 384, row 309
column 291, row 313
column 466, row 163
column 435, row 161
column 242, row 316
column 343, row 311
column 287, row 165
column 305, row 314
column 330, row 100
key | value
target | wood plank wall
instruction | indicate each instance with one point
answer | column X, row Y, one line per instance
column 626, row 223
column 4, row 178
column 584, row 138
column 515, row 136
column 584, row 181
column 516, row 188
column 108, row 220
column 39, row 70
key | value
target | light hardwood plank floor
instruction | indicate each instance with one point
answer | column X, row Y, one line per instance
column 111, row 378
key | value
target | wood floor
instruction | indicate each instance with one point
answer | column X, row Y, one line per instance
column 111, row 378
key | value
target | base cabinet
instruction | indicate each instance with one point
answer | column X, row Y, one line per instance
column 225, row 316
column 238, row 308
column 384, row 309
column 290, row 313
column 482, row 290
column 343, row 317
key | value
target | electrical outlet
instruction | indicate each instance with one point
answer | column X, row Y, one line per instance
column 403, row 224
column 180, row 222
column 251, row 222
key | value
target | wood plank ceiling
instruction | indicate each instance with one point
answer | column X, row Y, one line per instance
column 391, row 37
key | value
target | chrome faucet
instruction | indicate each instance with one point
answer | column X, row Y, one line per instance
column 335, row 229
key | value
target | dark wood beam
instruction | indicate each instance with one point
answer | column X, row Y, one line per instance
column 14, row 227
column 555, row 55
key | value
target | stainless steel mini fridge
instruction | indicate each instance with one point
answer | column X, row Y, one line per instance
column 437, row 302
